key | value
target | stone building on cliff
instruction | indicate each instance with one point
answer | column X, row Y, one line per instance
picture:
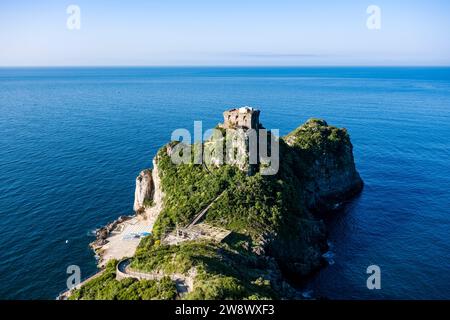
column 244, row 117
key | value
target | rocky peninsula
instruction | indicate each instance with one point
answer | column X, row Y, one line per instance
column 226, row 230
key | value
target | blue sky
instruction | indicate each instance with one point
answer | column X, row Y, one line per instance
column 229, row 32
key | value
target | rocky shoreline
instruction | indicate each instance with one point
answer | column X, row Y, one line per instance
column 103, row 233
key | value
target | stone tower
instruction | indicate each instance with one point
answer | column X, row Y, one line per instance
column 245, row 118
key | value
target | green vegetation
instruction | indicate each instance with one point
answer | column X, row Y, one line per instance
column 188, row 189
column 148, row 203
column 316, row 138
column 221, row 272
column 106, row 287
column 169, row 259
column 251, row 205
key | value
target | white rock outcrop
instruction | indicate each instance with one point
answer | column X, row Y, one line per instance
column 152, row 213
column 144, row 189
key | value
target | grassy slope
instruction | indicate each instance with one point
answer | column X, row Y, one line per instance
column 106, row 287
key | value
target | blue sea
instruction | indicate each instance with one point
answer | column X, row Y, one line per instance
column 72, row 141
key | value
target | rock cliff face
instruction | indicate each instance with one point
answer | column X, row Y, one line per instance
column 152, row 212
column 232, row 149
column 328, row 166
column 318, row 159
column 327, row 163
column 144, row 190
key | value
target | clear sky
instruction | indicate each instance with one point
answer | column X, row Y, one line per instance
column 227, row 32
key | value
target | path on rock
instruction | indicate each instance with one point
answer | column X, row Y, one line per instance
column 184, row 283
column 202, row 213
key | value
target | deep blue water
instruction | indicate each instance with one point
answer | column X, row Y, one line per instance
column 72, row 141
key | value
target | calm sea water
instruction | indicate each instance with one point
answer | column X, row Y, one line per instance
column 72, row 141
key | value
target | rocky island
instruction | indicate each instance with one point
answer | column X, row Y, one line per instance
column 224, row 229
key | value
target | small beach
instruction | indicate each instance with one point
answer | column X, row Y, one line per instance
column 123, row 241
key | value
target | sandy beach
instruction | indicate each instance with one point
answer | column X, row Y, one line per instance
column 121, row 242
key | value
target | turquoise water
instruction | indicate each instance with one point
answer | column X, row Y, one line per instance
column 72, row 141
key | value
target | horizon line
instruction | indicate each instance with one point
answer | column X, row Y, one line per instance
column 231, row 66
